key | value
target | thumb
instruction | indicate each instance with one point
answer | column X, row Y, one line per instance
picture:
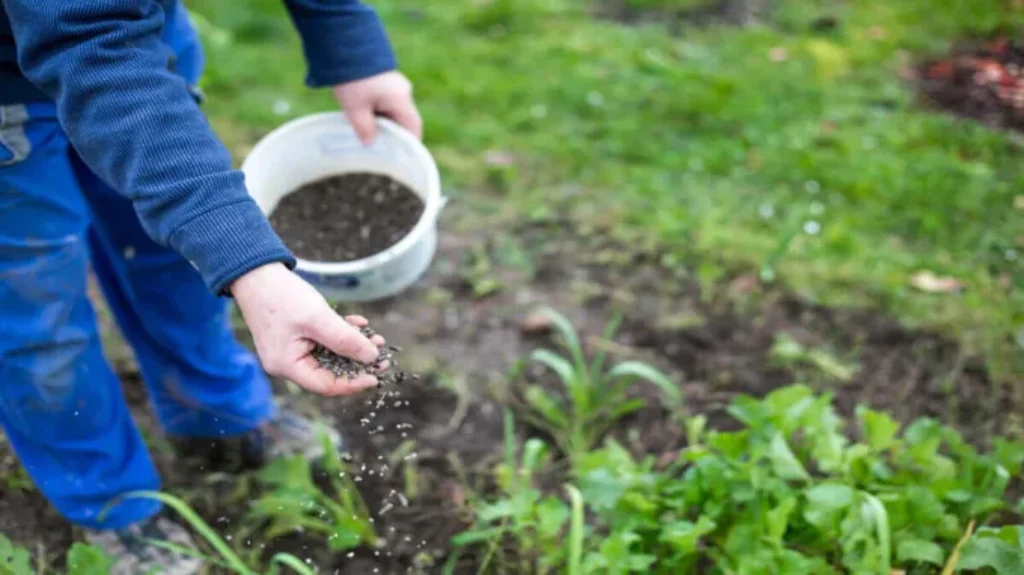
column 364, row 122
column 343, row 338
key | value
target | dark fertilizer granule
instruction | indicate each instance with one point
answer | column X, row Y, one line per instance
column 350, row 368
column 347, row 217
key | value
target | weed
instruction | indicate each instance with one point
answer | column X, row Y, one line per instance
column 478, row 273
column 788, row 352
column 592, row 398
column 535, row 522
column 81, row 559
column 294, row 502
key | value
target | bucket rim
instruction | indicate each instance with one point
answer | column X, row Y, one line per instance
column 434, row 201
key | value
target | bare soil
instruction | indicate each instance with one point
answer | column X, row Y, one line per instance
column 347, row 217
column 716, row 342
column 980, row 79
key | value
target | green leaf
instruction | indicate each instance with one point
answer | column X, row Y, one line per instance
column 1009, row 454
column 88, row 560
column 535, row 452
column 345, row 536
column 778, row 520
column 559, row 365
column 547, row 406
column 749, row 411
column 683, row 536
column 920, row 551
column 292, row 473
column 292, row 562
column 673, row 396
column 981, row 552
column 732, row 444
column 551, row 517
column 13, row 560
column 879, row 428
column 825, row 502
column 784, row 462
column 883, row 531
column 477, row 536
column 576, row 532
column 695, row 429
column 570, row 339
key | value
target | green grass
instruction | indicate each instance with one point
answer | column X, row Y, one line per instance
column 701, row 144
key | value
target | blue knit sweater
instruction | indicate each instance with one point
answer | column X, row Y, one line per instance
column 136, row 125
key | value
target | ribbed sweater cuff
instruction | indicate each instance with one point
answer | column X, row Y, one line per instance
column 229, row 241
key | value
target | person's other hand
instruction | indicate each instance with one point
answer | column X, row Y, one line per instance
column 286, row 316
column 388, row 94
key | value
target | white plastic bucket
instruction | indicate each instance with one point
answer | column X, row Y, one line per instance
column 322, row 145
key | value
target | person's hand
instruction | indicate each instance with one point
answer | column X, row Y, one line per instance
column 388, row 94
column 287, row 316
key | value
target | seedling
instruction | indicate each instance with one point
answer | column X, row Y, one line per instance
column 294, row 502
column 536, row 522
column 788, row 352
column 592, row 398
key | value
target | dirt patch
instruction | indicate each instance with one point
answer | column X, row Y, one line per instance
column 347, row 217
column 981, row 80
column 679, row 13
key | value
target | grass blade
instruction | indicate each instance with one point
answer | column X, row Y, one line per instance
column 292, row 562
column 230, row 557
column 576, row 528
column 510, row 448
column 954, row 557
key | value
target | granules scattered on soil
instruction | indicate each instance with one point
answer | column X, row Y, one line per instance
column 347, row 217
column 349, row 368
column 983, row 82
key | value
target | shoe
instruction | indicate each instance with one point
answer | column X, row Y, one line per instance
column 287, row 434
column 133, row 552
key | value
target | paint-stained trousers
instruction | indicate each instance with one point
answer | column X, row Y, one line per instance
column 61, row 404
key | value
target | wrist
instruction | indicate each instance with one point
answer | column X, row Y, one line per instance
column 256, row 276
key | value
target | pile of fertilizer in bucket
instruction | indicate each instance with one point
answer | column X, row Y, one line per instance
column 350, row 368
column 346, row 217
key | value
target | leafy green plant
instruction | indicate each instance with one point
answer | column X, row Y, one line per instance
column 524, row 514
column 81, row 559
column 792, row 492
column 85, row 559
column 591, row 398
column 13, row 560
column 294, row 502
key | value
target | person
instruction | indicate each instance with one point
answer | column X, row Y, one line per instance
column 108, row 164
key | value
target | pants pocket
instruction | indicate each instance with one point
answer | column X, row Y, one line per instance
column 14, row 143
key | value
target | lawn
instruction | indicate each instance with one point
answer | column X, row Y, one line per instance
column 816, row 280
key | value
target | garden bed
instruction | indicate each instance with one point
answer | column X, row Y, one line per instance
column 720, row 343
